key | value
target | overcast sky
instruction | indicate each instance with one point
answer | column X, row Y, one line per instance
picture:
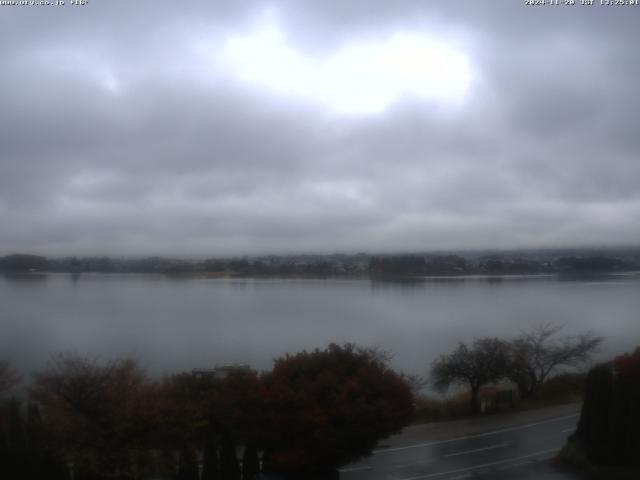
column 229, row 127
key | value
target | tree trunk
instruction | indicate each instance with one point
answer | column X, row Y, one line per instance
column 533, row 385
column 475, row 399
column 523, row 388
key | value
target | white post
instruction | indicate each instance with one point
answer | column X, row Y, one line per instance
column 200, row 456
column 176, row 456
column 260, row 457
column 240, row 456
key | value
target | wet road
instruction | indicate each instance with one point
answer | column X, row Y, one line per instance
column 517, row 451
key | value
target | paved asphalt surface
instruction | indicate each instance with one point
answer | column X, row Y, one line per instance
column 513, row 451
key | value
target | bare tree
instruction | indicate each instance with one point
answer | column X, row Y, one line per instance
column 8, row 377
column 537, row 353
column 483, row 363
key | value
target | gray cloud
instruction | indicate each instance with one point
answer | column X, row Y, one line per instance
column 122, row 133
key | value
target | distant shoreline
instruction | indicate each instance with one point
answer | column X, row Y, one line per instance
column 585, row 276
column 565, row 264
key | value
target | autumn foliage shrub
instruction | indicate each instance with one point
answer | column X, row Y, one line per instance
column 329, row 407
column 628, row 366
column 313, row 412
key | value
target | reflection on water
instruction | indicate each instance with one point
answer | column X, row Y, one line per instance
column 26, row 277
column 420, row 282
column 181, row 323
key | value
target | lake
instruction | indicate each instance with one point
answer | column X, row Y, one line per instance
column 172, row 324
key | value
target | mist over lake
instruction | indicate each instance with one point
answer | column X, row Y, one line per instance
column 172, row 324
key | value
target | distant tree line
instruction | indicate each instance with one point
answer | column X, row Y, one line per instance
column 24, row 263
column 381, row 266
column 312, row 412
column 415, row 265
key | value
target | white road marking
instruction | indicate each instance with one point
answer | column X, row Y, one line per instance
column 514, row 465
column 477, row 435
column 490, row 447
column 410, row 464
column 568, row 430
column 491, row 464
column 353, row 469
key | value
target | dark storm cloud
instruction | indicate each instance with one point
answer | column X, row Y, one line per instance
column 124, row 132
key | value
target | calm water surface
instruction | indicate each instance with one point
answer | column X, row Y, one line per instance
column 174, row 324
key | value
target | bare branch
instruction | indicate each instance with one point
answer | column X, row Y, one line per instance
column 416, row 383
column 484, row 363
column 9, row 378
column 378, row 353
column 536, row 354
